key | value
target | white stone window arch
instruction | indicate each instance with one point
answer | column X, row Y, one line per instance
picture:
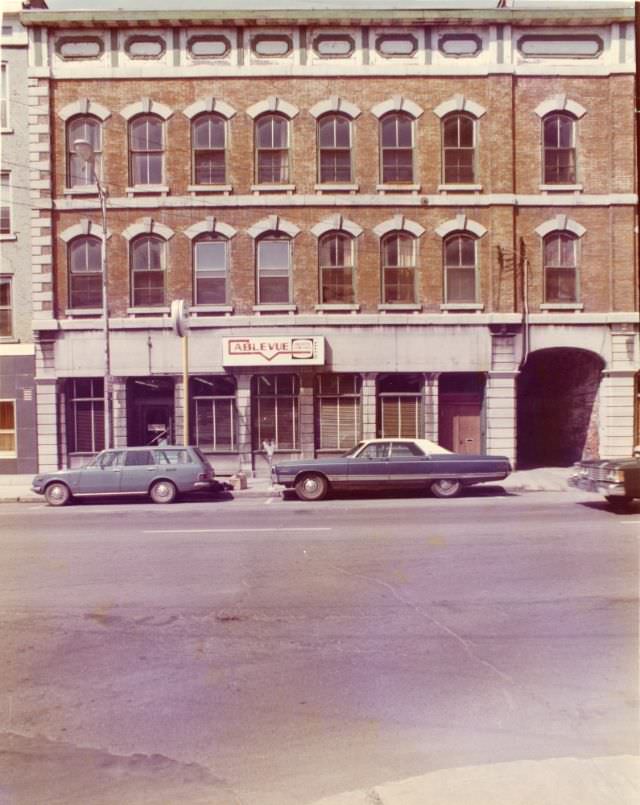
column 560, row 244
column 560, row 223
column 461, row 224
column 397, row 103
column 146, row 106
column 459, row 103
column 400, row 224
column 336, row 223
column 560, row 103
column 210, row 104
column 336, row 105
column 273, row 223
column 84, row 106
column 210, row 254
column 210, row 225
column 273, row 104
column 84, row 227
column 147, row 226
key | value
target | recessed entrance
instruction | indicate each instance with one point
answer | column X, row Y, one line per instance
column 150, row 410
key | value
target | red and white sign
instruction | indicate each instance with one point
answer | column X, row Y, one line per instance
column 280, row 350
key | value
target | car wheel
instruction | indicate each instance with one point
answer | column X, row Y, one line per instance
column 619, row 501
column 163, row 492
column 312, row 487
column 57, row 494
column 446, row 488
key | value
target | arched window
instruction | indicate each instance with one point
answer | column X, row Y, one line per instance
column 559, row 149
column 208, row 142
column 147, row 271
column 272, row 149
column 273, row 263
column 560, row 267
column 79, row 171
column 210, row 260
column 398, row 268
column 146, row 150
column 460, row 268
column 335, row 258
column 334, row 149
column 396, row 148
column 85, row 272
column 458, row 146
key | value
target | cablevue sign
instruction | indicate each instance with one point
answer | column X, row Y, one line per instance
column 266, row 350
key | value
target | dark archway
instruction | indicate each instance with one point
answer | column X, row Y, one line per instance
column 557, row 407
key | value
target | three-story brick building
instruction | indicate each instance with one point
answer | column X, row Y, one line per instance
column 385, row 221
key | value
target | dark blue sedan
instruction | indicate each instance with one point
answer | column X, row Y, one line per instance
column 379, row 464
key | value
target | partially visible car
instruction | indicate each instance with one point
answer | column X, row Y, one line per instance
column 617, row 479
column 159, row 472
column 379, row 464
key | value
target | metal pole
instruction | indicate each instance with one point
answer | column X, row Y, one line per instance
column 105, row 313
column 185, row 387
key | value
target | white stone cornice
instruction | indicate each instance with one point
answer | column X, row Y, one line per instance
column 560, row 103
column 147, row 226
column 210, row 226
column 210, row 104
column 273, row 104
column 459, row 104
column 397, row 104
column 561, row 223
column 335, row 104
column 84, row 228
column 336, row 223
column 398, row 224
column 84, row 106
column 274, row 223
column 146, row 106
column 461, row 224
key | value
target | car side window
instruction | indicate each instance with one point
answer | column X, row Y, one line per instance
column 110, row 459
column 139, row 458
column 403, row 450
column 375, row 450
column 173, row 457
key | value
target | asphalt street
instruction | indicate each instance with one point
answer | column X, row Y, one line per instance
column 273, row 652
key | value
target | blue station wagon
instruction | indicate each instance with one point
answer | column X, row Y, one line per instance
column 379, row 464
column 159, row 472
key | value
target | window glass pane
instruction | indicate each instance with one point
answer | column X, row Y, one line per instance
column 148, row 288
column 461, row 285
column 450, row 132
column 7, row 415
column 211, row 255
column 560, row 285
column 273, row 254
column 147, row 254
column 85, row 255
column 85, row 290
column 5, row 291
column 465, row 131
column 208, row 132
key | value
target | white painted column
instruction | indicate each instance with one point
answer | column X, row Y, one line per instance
column 48, row 412
column 119, row 411
column 243, row 413
column 431, row 385
column 617, row 392
column 368, row 402
column 178, row 412
column 306, row 415
column 501, row 397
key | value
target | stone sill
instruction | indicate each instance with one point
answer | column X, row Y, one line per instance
column 9, row 236
column 337, row 187
column 210, row 188
column 161, row 310
column 82, row 311
column 465, row 306
column 273, row 188
column 397, row 187
column 460, row 188
column 84, row 190
column 562, row 306
column 274, row 308
column 398, row 307
column 206, row 309
column 148, row 189
column 561, row 188
column 337, row 308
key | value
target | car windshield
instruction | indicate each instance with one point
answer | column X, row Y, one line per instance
column 353, row 451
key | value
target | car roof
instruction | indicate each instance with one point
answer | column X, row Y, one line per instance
column 425, row 444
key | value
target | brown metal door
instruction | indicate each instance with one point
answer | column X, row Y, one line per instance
column 460, row 428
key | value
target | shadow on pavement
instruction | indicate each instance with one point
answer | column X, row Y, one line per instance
column 142, row 500
column 620, row 509
column 485, row 491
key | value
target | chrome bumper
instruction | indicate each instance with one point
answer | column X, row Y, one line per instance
column 607, row 488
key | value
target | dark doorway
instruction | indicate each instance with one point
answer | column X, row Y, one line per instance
column 460, row 403
column 150, row 410
column 557, row 407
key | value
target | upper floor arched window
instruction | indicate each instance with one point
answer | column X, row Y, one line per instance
column 559, row 148
column 334, row 149
column 272, row 149
column 458, row 148
column 560, row 264
column 398, row 268
column 146, row 150
column 336, row 263
column 210, row 263
column 85, row 272
column 396, row 148
column 460, row 268
column 273, row 266
column 208, row 143
column 147, row 264
column 81, row 172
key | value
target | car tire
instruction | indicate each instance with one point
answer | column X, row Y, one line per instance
column 163, row 491
column 446, row 488
column 312, row 486
column 619, row 501
column 57, row 494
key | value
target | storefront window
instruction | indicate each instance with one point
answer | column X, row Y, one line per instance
column 85, row 415
column 275, row 411
column 400, row 407
column 337, row 411
column 214, row 406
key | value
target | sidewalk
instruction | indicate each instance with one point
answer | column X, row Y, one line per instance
column 558, row 781
column 17, row 488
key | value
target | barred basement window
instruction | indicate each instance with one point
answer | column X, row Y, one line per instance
column 400, row 407
column 338, row 418
column 85, row 415
column 214, row 405
column 7, row 429
column 275, row 411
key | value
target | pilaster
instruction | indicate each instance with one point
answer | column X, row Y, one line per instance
column 119, row 411
column 368, row 398
column 243, row 410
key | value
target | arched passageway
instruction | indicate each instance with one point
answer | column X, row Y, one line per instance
column 557, row 407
